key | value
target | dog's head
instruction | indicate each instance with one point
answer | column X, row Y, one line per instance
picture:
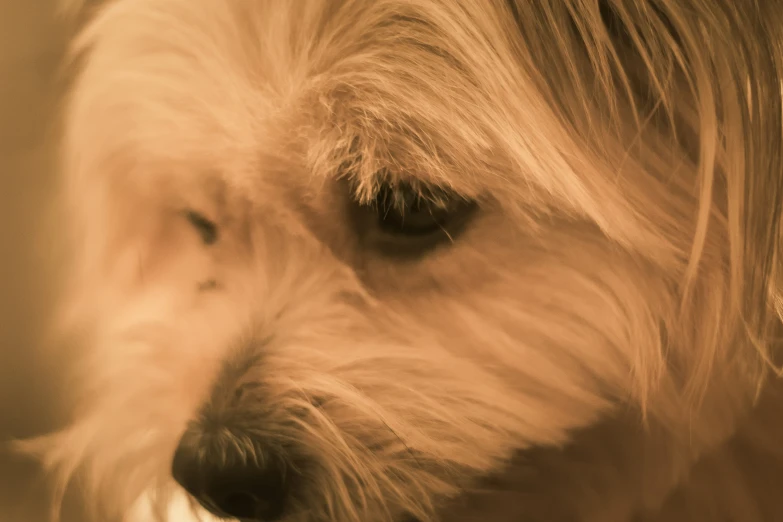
column 336, row 259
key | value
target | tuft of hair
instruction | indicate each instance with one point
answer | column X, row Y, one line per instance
column 700, row 78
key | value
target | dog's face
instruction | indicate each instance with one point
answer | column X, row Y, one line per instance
column 336, row 259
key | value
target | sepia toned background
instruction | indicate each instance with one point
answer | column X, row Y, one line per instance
column 31, row 49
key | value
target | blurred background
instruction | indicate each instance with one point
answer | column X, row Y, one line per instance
column 32, row 43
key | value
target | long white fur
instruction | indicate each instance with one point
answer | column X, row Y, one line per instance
column 622, row 265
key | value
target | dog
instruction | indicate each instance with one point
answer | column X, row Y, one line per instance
column 351, row 260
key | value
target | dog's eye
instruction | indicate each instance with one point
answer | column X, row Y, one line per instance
column 403, row 210
column 206, row 229
column 408, row 220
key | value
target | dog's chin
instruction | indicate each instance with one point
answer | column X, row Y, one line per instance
column 352, row 258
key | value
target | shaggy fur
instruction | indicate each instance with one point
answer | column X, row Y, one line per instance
column 591, row 347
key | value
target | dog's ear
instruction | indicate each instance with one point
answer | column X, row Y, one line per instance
column 706, row 74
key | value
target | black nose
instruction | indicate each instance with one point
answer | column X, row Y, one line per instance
column 231, row 484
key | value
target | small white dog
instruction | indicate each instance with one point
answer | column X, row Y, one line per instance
column 374, row 261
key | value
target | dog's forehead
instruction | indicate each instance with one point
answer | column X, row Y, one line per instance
column 405, row 89
column 318, row 90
